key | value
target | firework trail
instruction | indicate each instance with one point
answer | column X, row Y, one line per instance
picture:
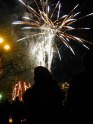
column 46, row 25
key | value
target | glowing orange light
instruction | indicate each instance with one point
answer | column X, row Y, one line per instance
column 10, row 119
column 6, row 47
column 1, row 39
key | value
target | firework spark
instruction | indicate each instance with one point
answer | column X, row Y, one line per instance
column 48, row 27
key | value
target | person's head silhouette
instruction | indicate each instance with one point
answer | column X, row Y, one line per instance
column 42, row 74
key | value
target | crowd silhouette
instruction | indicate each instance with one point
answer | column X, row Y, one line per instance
column 43, row 102
column 79, row 101
column 5, row 109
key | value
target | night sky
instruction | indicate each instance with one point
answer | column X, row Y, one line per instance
column 70, row 64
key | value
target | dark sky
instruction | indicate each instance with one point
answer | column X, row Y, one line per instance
column 70, row 63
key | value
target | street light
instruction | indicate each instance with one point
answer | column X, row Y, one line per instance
column 6, row 47
column 3, row 47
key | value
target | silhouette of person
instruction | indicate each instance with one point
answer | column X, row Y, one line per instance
column 80, row 91
column 17, row 111
column 43, row 101
column 5, row 110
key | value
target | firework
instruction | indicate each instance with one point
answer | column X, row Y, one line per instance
column 44, row 24
column 19, row 89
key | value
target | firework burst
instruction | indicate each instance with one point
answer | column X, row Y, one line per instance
column 46, row 25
